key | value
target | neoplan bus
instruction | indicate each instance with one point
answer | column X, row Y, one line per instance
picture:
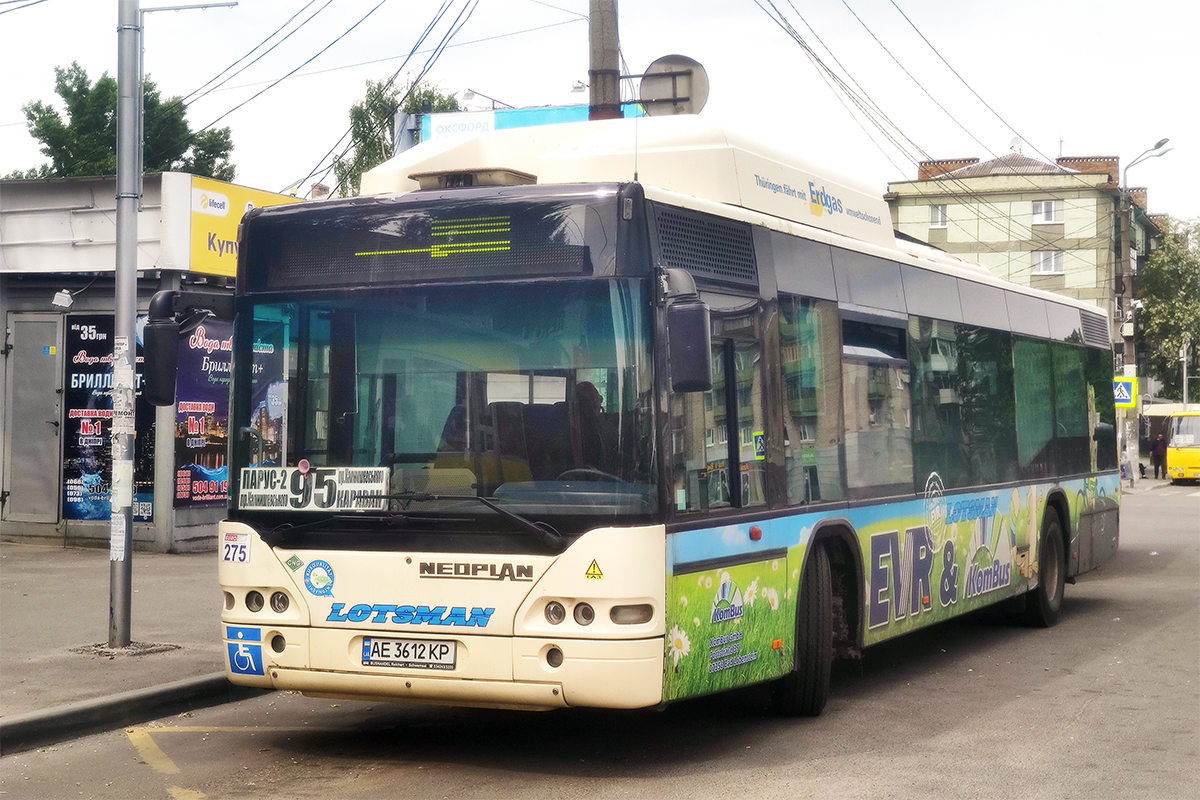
column 620, row 413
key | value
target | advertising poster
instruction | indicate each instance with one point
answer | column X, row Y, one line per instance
column 268, row 393
column 88, row 410
column 202, row 416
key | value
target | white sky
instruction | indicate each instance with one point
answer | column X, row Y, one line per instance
column 1073, row 77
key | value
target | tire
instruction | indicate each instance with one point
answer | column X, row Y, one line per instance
column 1042, row 604
column 803, row 692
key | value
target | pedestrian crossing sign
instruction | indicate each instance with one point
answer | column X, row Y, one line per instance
column 1125, row 392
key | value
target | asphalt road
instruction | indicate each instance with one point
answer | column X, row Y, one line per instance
column 1105, row 705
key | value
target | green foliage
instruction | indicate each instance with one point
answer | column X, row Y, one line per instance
column 85, row 143
column 1169, row 288
column 371, row 122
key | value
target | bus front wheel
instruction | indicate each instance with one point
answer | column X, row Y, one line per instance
column 803, row 692
column 1044, row 602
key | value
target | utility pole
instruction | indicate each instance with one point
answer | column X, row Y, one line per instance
column 124, row 318
column 604, row 73
column 130, row 109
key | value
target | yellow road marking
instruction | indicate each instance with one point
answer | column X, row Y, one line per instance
column 179, row 793
column 150, row 752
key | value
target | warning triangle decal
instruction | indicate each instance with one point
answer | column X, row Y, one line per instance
column 593, row 572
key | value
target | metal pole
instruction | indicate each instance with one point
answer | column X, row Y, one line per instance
column 604, row 73
column 1183, row 356
column 124, row 312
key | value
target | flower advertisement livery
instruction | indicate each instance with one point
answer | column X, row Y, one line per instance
column 927, row 559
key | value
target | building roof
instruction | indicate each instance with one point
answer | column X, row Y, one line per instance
column 1010, row 164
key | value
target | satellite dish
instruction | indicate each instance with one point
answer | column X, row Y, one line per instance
column 1015, row 145
column 673, row 85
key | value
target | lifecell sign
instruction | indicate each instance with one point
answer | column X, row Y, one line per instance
column 216, row 210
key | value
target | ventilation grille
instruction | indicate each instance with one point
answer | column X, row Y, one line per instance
column 1095, row 330
column 706, row 246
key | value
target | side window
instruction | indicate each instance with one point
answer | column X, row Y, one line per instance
column 1070, row 409
column 811, row 365
column 963, row 426
column 938, row 441
column 719, row 461
column 985, row 370
column 1035, row 408
column 877, row 403
column 1102, row 414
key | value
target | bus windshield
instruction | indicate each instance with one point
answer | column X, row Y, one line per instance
column 1185, row 431
column 535, row 396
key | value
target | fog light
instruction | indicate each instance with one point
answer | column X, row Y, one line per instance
column 631, row 615
column 554, row 657
column 254, row 601
column 555, row 613
column 279, row 602
column 584, row 614
column 278, row 643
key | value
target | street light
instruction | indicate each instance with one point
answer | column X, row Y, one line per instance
column 469, row 94
column 1145, row 156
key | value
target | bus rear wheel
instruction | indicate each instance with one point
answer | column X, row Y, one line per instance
column 1042, row 604
column 803, row 692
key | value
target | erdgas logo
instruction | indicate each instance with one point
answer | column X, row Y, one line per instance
column 727, row 604
column 476, row 572
column 821, row 202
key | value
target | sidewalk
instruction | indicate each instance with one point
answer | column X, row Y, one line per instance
column 54, row 606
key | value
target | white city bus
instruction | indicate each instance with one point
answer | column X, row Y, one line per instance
column 619, row 413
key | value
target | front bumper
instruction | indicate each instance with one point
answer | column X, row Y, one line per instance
column 491, row 671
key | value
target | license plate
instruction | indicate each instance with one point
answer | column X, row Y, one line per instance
column 411, row 653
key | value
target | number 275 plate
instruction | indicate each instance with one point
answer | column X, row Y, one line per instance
column 411, row 653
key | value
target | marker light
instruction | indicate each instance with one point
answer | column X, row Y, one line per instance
column 278, row 644
column 254, row 601
column 554, row 657
column 279, row 602
column 555, row 613
column 584, row 614
column 631, row 615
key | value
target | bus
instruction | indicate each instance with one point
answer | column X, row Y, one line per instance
column 619, row 413
column 1183, row 446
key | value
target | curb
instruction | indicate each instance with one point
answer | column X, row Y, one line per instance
column 58, row 724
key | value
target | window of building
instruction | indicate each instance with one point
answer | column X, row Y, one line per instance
column 1047, row 212
column 1047, row 262
column 877, row 410
column 937, row 216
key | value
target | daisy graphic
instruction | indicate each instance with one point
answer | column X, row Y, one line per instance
column 750, row 593
column 772, row 597
column 679, row 644
column 683, row 600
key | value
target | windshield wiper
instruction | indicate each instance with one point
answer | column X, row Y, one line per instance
column 277, row 534
column 541, row 531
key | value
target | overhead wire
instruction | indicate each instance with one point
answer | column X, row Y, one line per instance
column 874, row 113
column 437, row 17
column 464, row 16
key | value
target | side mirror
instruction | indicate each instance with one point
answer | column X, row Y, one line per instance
column 160, row 349
column 688, row 335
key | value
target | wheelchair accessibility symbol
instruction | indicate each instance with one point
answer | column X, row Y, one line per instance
column 245, row 655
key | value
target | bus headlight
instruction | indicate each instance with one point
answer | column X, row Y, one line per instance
column 632, row 615
column 584, row 614
column 555, row 613
column 254, row 601
column 279, row 602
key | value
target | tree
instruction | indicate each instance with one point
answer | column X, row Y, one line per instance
column 1169, row 288
column 371, row 127
column 86, row 142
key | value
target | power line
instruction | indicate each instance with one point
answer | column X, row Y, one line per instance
column 20, row 8
column 459, row 22
column 297, row 69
